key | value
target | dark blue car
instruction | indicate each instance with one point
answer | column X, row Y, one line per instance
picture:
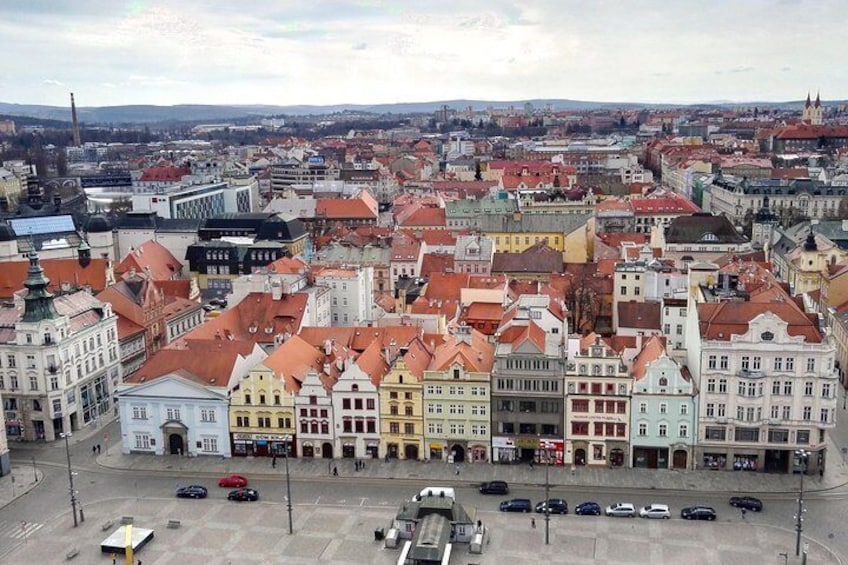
column 192, row 491
column 588, row 509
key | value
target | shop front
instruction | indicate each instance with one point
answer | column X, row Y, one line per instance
column 503, row 449
column 262, row 445
column 650, row 457
column 551, row 451
column 478, row 453
column 436, row 451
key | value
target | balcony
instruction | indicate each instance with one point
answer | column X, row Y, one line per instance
column 750, row 374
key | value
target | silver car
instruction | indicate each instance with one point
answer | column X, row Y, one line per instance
column 655, row 511
column 623, row 509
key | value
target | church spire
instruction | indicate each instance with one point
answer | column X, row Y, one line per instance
column 818, row 100
column 38, row 303
column 808, row 103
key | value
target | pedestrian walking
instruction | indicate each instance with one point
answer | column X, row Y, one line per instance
column 335, row 471
column 821, row 473
column 114, row 558
column 93, row 450
column 533, row 523
column 274, row 461
column 457, row 470
column 573, row 470
column 98, row 449
column 531, row 464
column 743, row 513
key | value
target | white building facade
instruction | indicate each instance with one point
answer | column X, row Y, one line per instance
column 172, row 415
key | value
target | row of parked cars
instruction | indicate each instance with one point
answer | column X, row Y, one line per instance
column 620, row 509
column 240, row 494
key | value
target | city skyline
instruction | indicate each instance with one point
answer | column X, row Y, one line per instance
column 371, row 52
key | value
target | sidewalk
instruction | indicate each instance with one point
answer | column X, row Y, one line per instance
column 442, row 473
column 20, row 481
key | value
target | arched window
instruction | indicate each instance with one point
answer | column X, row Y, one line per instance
column 663, row 381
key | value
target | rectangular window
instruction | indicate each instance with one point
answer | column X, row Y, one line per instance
column 787, row 388
column 210, row 445
column 710, row 409
column 345, row 403
column 369, row 404
column 807, row 414
column 394, row 427
column 643, row 430
column 722, row 386
column 142, row 441
column 778, row 363
column 723, row 362
column 139, row 413
column 715, row 433
column 790, row 363
column 173, row 413
column 683, row 430
column 711, row 362
column 775, row 388
column 662, row 430
column 811, row 365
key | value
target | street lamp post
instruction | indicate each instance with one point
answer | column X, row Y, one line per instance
column 547, row 493
column 34, row 471
column 288, row 485
column 803, row 455
column 65, row 436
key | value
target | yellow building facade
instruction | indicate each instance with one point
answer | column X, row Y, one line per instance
column 261, row 415
column 401, row 415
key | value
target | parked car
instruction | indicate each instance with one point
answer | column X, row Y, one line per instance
column 747, row 502
column 554, row 506
column 516, row 505
column 192, row 491
column 698, row 513
column 624, row 509
column 243, row 495
column 233, row 481
column 588, row 509
column 494, row 487
column 218, row 302
column 443, row 492
column 655, row 511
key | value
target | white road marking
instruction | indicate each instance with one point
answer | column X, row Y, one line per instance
column 13, row 530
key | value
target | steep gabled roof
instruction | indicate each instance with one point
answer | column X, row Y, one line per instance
column 653, row 349
column 153, row 256
column 476, row 356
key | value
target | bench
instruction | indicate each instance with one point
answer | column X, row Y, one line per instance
column 126, row 520
column 173, row 524
column 72, row 553
column 106, row 525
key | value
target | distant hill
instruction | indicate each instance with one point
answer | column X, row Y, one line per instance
column 29, row 121
column 147, row 114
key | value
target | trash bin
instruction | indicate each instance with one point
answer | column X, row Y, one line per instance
column 379, row 534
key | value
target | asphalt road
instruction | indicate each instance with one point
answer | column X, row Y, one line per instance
column 50, row 501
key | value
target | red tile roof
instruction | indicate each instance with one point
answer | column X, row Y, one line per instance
column 292, row 360
column 59, row 271
column 483, row 311
column 154, row 256
column 258, row 318
column 436, row 263
column 718, row 321
column 639, row 315
column 653, row 349
column 476, row 356
column 164, row 174
column 363, row 207
column 425, row 217
column 207, row 362
column 518, row 334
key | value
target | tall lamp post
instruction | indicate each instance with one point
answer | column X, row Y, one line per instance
column 547, row 447
column 288, row 485
column 65, row 436
column 803, row 455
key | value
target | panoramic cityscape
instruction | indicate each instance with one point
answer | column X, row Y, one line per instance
column 362, row 282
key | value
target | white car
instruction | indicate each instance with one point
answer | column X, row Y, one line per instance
column 655, row 511
column 624, row 509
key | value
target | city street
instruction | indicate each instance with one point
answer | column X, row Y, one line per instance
column 334, row 517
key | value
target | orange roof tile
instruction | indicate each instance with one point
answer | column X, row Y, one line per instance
column 519, row 333
column 59, row 271
column 207, row 362
column 258, row 318
column 652, row 350
column 154, row 256
column 292, row 360
column 425, row 217
column 477, row 356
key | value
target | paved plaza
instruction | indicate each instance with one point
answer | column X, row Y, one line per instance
column 216, row 532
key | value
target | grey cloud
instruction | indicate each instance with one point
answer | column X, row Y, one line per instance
column 360, row 47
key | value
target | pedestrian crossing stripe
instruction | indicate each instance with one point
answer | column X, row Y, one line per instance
column 19, row 530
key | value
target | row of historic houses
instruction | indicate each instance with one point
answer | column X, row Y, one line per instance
column 758, row 383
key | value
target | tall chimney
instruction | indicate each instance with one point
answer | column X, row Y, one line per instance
column 77, row 140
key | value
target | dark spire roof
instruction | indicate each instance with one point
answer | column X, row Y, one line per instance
column 6, row 232
column 38, row 302
column 808, row 103
column 818, row 100
column 810, row 242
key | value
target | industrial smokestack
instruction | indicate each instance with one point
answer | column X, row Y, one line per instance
column 77, row 140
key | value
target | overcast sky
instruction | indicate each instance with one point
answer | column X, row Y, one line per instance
column 112, row 52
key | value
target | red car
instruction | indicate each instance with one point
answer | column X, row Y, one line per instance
column 233, row 481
